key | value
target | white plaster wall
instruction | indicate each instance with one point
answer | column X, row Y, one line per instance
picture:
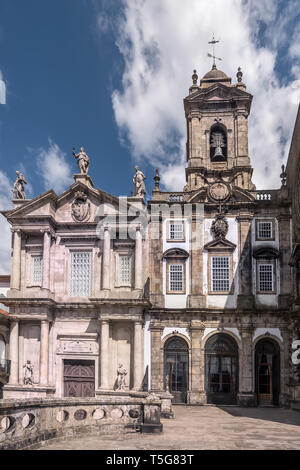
column 234, row 331
column 217, row 300
column 174, row 300
column 262, row 331
column 269, row 300
column 169, row 330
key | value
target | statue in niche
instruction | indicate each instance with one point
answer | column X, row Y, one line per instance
column 121, row 374
column 217, row 144
column 138, row 180
column 82, row 160
column 18, row 189
column 28, row 373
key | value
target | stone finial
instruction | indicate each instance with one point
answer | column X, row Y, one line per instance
column 156, row 179
column 82, row 160
column 239, row 75
column 283, row 176
column 18, row 189
column 195, row 78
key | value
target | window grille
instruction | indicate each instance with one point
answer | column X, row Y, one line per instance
column 37, row 270
column 176, row 231
column 81, row 270
column 265, row 273
column 125, row 270
column 220, row 274
column 176, row 277
column 265, row 230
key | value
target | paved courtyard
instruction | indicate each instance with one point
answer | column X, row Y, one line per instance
column 204, row 427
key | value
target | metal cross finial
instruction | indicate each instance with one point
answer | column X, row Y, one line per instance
column 213, row 42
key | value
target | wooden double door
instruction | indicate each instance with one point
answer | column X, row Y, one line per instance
column 79, row 378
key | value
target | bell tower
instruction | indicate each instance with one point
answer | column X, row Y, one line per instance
column 217, row 130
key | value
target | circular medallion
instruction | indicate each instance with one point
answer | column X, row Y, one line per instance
column 98, row 414
column 116, row 413
column 219, row 191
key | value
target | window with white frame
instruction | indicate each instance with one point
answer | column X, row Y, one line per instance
column 265, row 277
column 176, row 278
column 265, row 230
column 81, row 273
column 125, row 274
column 176, row 231
column 36, row 270
column 220, row 273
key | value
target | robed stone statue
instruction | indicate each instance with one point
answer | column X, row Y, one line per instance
column 18, row 189
column 121, row 374
column 138, row 179
column 82, row 160
column 28, row 373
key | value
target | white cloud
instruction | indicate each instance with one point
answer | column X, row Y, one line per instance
column 2, row 89
column 5, row 204
column 53, row 168
column 162, row 42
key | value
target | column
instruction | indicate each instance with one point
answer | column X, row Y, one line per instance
column 246, row 396
column 284, row 227
column 104, row 358
column 46, row 259
column 106, row 259
column 196, row 393
column 245, row 297
column 157, row 359
column 16, row 260
column 138, row 259
column 21, row 352
column 44, row 352
column 14, row 352
column 138, row 355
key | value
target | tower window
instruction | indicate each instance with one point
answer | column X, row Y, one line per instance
column 218, row 144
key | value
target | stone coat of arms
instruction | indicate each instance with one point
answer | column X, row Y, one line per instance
column 220, row 227
column 80, row 207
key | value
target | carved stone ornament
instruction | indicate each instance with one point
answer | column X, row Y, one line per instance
column 219, row 191
column 80, row 207
column 220, row 226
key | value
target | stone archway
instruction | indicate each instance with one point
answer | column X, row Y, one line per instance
column 176, row 361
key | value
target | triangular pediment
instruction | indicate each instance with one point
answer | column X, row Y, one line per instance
column 218, row 91
column 220, row 244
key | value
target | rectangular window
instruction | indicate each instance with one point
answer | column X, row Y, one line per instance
column 265, row 277
column 176, row 277
column 81, row 273
column 125, row 270
column 264, row 229
column 37, row 270
column 176, row 231
column 220, row 274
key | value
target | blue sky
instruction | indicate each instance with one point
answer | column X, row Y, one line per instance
column 111, row 75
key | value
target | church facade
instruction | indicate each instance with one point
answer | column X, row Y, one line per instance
column 190, row 294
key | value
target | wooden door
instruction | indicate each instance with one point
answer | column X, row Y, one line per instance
column 79, row 378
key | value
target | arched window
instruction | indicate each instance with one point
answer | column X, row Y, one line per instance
column 176, row 368
column 2, row 351
column 221, row 369
column 218, row 143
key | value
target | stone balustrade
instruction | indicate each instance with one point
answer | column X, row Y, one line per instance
column 24, row 423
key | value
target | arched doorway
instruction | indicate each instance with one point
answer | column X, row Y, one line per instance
column 221, row 370
column 267, row 372
column 177, row 368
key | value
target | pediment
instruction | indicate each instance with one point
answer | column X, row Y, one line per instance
column 220, row 244
column 218, row 91
column 175, row 253
column 242, row 195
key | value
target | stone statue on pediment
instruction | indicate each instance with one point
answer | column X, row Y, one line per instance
column 121, row 374
column 18, row 189
column 138, row 180
column 82, row 160
column 28, row 373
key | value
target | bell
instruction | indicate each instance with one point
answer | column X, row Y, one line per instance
column 218, row 152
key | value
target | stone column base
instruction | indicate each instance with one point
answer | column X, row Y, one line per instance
column 247, row 399
column 28, row 391
column 196, row 397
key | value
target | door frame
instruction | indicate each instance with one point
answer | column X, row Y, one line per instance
column 276, row 368
column 91, row 361
column 188, row 352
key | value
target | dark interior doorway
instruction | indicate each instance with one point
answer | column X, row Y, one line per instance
column 79, row 378
column 177, row 368
column 267, row 372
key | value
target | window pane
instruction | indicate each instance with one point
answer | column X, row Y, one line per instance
column 125, row 270
column 81, row 264
column 176, row 231
column 265, row 272
column 37, row 270
column 265, row 229
column 220, row 274
column 176, row 277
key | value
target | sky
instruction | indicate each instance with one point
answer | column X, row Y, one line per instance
column 111, row 75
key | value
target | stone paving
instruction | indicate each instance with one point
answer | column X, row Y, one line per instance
column 204, row 427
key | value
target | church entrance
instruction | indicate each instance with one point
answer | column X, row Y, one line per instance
column 176, row 368
column 267, row 383
column 221, row 370
column 79, row 378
